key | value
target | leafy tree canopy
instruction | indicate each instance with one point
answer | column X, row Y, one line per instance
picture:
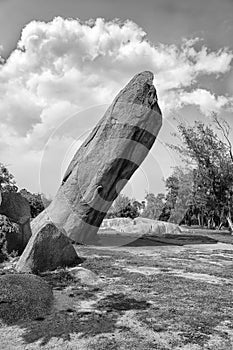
column 7, row 180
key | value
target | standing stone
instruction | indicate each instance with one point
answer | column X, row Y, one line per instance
column 106, row 160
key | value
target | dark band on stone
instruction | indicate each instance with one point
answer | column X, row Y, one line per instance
column 137, row 134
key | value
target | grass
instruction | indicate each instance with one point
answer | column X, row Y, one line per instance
column 163, row 310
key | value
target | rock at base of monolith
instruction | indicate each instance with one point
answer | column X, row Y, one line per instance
column 106, row 160
column 24, row 297
column 47, row 250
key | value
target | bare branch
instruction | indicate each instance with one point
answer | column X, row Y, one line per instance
column 224, row 127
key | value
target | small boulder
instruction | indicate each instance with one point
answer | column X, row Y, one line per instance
column 84, row 276
column 47, row 250
column 24, row 297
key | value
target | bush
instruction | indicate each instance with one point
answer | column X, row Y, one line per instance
column 123, row 207
column 6, row 226
column 35, row 201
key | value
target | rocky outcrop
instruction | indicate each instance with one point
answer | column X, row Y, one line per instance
column 157, row 227
column 47, row 250
column 114, row 223
column 140, row 226
column 106, row 161
column 17, row 209
column 23, row 297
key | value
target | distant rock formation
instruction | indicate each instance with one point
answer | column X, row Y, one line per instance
column 140, row 226
column 17, row 209
column 106, row 161
column 47, row 250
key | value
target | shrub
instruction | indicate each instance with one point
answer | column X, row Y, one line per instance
column 6, row 226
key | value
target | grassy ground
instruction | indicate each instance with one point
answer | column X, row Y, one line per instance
column 148, row 297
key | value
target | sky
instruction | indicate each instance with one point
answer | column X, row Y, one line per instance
column 63, row 61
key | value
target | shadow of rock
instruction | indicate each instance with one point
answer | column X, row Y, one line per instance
column 121, row 302
column 170, row 239
column 64, row 323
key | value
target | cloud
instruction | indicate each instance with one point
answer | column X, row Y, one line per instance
column 65, row 66
column 206, row 101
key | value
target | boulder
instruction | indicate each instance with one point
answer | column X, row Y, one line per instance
column 116, row 222
column 84, row 276
column 157, row 227
column 17, row 209
column 47, row 250
column 106, row 161
column 23, row 297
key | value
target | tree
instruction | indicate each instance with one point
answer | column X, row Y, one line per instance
column 137, row 205
column 180, row 195
column 35, row 200
column 223, row 126
column 6, row 227
column 123, row 206
column 172, row 186
column 212, row 164
column 154, row 206
column 7, row 180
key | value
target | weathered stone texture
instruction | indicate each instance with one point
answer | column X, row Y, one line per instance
column 106, row 160
column 47, row 250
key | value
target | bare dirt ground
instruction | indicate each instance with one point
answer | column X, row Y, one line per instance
column 147, row 297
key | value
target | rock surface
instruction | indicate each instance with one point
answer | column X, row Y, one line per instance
column 141, row 226
column 157, row 227
column 47, row 250
column 106, row 161
column 17, row 209
column 23, row 297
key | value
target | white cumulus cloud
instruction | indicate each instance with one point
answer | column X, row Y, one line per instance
column 64, row 66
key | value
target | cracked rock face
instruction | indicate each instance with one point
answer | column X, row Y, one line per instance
column 106, row 160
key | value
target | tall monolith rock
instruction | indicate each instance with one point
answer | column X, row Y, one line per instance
column 106, row 160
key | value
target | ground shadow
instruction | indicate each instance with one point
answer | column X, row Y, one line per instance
column 170, row 239
column 64, row 323
column 151, row 239
column 121, row 302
